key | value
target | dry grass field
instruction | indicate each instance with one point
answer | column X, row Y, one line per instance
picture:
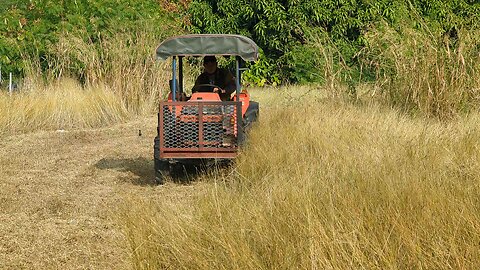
column 59, row 194
column 322, row 185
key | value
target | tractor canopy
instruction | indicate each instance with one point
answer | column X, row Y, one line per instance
column 208, row 44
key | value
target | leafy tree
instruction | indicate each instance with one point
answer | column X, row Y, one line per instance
column 281, row 27
column 30, row 28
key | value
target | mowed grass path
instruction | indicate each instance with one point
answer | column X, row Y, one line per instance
column 60, row 191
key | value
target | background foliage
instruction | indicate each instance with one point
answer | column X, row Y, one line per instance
column 282, row 28
column 31, row 30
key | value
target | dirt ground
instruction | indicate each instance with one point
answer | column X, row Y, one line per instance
column 60, row 192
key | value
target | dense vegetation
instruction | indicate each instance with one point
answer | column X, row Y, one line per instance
column 33, row 30
column 283, row 28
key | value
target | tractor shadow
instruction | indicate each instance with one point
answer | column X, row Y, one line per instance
column 143, row 170
column 140, row 167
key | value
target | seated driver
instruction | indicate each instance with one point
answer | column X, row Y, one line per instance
column 216, row 76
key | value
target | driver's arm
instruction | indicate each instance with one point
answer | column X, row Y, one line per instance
column 197, row 82
column 230, row 85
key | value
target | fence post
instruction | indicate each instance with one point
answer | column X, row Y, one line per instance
column 1, row 75
column 10, row 88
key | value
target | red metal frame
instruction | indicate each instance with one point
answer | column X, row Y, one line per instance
column 198, row 155
column 201, row 151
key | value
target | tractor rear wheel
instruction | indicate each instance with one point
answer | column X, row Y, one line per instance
column 162, row 168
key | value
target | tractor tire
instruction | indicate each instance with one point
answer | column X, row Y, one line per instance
column 161, row 166
column 247, row 123
column 162, row 169
column 251, row 115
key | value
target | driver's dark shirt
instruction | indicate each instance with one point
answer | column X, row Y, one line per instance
column 221, row 78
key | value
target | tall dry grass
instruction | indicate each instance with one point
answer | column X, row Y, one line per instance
column 125, row 62
column 116, row 79
column 62, row 105
column 425, row 71
column 422, row 71
column 326, row 185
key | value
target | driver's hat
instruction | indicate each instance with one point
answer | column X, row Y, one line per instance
column 209, row 58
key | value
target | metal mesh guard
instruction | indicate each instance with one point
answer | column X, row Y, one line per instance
column 184, row 127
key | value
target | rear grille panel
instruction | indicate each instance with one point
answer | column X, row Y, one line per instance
column 199, row 126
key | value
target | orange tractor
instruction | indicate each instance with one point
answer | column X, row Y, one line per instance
column 202, row 128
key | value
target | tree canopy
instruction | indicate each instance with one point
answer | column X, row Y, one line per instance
column 282, row 27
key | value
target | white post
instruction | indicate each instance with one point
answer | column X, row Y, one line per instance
column 10, row 87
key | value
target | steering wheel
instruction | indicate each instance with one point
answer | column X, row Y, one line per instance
column 199, row 86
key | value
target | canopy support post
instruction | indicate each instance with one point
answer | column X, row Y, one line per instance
column 237, row 77
column 180, row 73
column 174, row 79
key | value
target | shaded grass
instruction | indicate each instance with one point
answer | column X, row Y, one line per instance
column 326, row 185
